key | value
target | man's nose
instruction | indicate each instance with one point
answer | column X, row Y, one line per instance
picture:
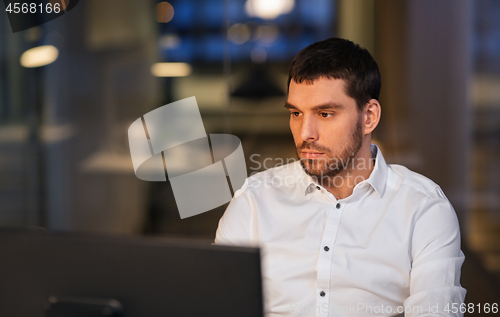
column 309, row 131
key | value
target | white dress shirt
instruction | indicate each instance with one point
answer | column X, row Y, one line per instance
column 393, row 246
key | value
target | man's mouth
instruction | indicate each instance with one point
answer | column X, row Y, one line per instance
column 311, row 155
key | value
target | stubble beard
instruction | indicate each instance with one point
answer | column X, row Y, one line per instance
column 321, row 168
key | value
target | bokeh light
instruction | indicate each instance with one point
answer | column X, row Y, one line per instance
column 239, row 33
column 164, row 12
column 171, row 69
column 258, row 55
column 267, row 9
column 267, row 33
column 39, row 56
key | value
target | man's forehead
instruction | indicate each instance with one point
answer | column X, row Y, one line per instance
column 321, row 80
column 321, row 92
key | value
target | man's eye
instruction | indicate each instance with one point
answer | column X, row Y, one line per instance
column 326, row 114
column 295, row 113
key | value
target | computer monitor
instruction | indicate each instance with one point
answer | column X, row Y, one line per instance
column 55, row 274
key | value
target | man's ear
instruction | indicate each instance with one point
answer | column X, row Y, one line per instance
column 371, row 116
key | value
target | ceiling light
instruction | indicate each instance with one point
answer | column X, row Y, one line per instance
column 267, row 9
column 39, row 56
column 171, row 69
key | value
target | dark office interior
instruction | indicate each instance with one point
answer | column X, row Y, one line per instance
column 65, row 162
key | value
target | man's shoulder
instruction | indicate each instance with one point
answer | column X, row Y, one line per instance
column 401, row 177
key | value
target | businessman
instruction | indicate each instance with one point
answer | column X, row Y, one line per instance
column 341, row 232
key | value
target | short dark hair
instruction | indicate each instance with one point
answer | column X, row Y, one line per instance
column 340, row 59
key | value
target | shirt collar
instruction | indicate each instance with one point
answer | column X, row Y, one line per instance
column 377, row 178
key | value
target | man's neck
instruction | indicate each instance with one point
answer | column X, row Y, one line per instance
column 342, row 185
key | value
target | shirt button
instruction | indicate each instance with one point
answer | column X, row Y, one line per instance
column 322, row 294
column 326, row 248
column 318, row 188
column 338, row 206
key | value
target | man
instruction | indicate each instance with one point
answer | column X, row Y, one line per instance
column 341, row 232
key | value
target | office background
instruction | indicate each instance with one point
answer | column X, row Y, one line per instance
column 64, row 156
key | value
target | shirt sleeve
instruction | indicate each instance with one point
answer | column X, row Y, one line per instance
column 236, row 227
column 435, row 288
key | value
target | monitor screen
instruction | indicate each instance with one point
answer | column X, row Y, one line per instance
column 56, row 274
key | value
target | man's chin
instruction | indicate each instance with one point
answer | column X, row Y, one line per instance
column 314, row 171
column 319, row 172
